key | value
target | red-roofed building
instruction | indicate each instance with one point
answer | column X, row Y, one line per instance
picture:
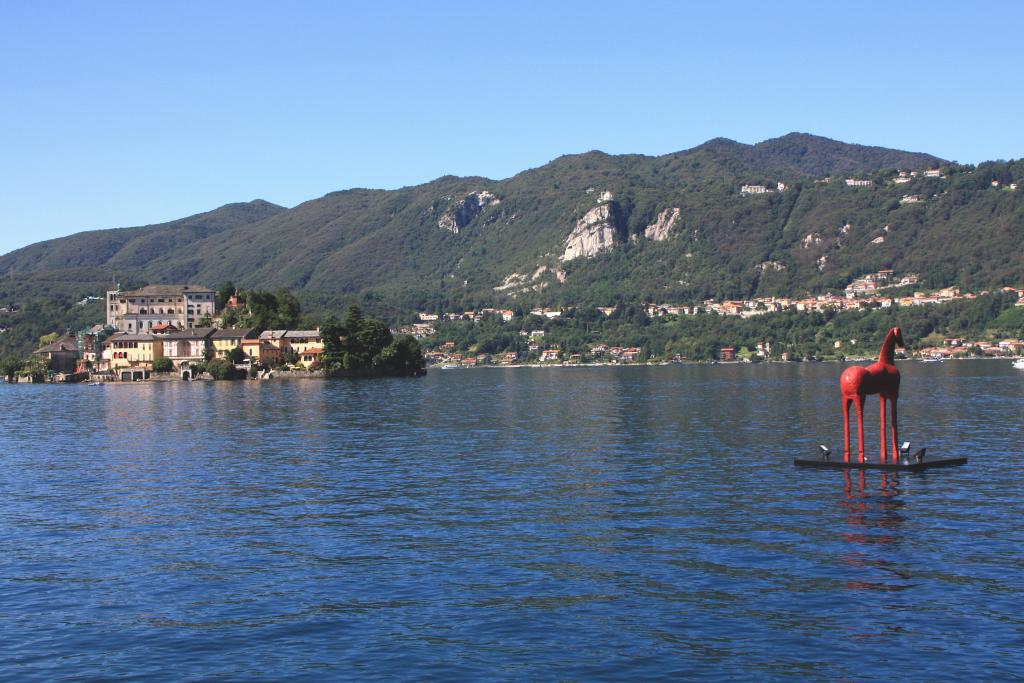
column 631, row 353
column 310, row 356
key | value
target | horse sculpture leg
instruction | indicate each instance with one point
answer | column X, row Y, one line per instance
column 881, row 400
column 895, row 430
column 860, row 427
column 846, row 428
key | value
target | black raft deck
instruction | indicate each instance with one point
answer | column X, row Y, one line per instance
column 915, row 463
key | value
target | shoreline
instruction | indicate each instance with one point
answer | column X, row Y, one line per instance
column 294, row 375
column 706, row 362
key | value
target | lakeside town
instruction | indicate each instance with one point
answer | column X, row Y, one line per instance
column 179, row 331
column 170, row 329
column 862, row 294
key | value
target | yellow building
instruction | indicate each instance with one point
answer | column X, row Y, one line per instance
column 125, row 350
column 225, row 340
column 275, row 338
column 302, row 341
column 261, row 352
column 306, row 344
column 310, row 356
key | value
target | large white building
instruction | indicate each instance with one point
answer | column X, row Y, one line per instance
column 143, row 309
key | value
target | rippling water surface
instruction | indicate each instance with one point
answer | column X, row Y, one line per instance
column 578, row 523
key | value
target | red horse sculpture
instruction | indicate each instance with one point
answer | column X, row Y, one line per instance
column 882, row 378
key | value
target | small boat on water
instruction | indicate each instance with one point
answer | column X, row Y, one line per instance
column 1019, row 363
column 931, row 359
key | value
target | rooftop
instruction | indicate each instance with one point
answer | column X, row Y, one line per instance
column 193, row 333
column 234, row 333
column 65, row 343
column 128, row 336
column 168, row 290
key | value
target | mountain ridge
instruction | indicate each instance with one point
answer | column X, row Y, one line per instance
column 105, row 244
column 457, row 241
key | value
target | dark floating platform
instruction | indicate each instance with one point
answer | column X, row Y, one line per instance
column 915, row 463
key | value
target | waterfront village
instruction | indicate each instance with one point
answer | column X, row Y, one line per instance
column 863, row 293
column 171, row 329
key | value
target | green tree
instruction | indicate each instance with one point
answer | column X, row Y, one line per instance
column 333, row 358
column 224, row 293
column 222, row 369
column 36, row 367
column 352, row 322
column 9, row 365
column 236, row 355
column 163, row 364
column 287, row 308
column 229, row 317
column 359, row 345
column 402, row 357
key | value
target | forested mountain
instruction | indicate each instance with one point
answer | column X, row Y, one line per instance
column 133, row 248
column 583, row 229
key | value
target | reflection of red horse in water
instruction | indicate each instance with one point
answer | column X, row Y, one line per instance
column 880, row 378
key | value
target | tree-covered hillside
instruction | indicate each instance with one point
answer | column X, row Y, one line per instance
column 672, row 228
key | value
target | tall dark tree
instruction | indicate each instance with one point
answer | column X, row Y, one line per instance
column 224, row 292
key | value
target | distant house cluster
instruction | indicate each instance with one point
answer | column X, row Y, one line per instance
column 762, row 189
column 859, row 295
column 615, row 353
column 901, row 177
column 475, row 316
column 959, row 346
column 872, row 282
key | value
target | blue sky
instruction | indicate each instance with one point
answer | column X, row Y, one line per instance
column 128, row 113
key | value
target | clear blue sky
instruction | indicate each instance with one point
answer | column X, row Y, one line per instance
column 128, row 113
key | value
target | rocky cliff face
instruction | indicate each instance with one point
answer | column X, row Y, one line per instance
column 765, row 266
column 463, row 213
column 598, row 230
column 659, row 229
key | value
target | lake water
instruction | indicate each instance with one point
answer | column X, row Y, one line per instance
column 538, row 524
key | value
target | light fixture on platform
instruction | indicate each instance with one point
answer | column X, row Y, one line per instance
column 825, row 452
column 905, row 450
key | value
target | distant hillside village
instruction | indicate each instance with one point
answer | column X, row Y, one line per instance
column 180, row 329
column 864, row 293
column 900, row 177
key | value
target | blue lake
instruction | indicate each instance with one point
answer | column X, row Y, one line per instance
column 538, row 524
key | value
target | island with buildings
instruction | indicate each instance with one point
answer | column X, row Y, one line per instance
column 179, row 331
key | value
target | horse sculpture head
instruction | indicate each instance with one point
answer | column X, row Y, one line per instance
column 898, row 337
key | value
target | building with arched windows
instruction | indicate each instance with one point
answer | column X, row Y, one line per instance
column 139, row 311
